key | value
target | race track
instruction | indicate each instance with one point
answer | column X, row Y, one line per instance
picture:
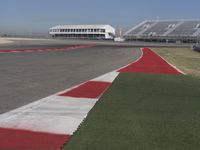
column 28, row 76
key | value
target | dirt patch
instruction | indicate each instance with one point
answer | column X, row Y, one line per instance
column 5, row 41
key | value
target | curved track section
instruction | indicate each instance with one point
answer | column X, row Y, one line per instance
column 26, row 77
column 54, row 119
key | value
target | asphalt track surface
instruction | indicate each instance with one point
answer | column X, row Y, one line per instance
column 43, row 43
column 27, row 77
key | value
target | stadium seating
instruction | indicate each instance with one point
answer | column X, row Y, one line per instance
column 180, row 29
column 140, row 28
column 187, row 28
column 161, row 27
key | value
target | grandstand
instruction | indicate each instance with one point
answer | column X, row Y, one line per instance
column 83, row 32
column 184, row 31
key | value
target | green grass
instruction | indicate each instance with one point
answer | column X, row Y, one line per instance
column 144, row 112
column 184, row 58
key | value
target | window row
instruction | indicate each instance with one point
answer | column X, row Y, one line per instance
column 78, row 30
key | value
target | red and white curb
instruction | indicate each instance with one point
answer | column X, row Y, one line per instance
column 58, row 115
column 151, row 63
column 47, row 49
column 50, row 122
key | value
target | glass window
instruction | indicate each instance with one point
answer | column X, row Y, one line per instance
column 103, row 30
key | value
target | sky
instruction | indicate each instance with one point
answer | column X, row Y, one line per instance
column 37, row 16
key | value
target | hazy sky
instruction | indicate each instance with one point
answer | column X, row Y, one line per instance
column 39, row 15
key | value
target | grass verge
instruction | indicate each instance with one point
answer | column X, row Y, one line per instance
column 143, row 112
column 184, row 58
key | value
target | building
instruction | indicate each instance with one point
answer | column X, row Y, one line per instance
column 83, row 32
column 180, row 31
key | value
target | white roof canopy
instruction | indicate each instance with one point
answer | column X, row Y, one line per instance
column 80, row 26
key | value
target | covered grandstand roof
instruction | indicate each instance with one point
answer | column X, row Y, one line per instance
column 166, row 28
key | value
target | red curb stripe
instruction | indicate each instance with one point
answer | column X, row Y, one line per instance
column 150, row 63
column 13, row 139
column 47, row 49
column 91, row 89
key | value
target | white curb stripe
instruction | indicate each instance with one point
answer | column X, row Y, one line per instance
column 109, row 77
column 60, row 115
column 54, row 114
